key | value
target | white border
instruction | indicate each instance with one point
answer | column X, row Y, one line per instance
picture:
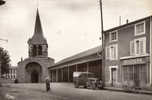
column 137, row 34
column 150, row 50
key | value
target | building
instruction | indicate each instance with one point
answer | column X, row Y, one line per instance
column 127, row 54
column 34, row 69
column 127, row 58
column 87, row 61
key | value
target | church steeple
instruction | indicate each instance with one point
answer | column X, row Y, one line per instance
column 38, row 27
column 38, row 44
column 38, row 37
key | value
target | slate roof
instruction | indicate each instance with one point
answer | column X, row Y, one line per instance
column 38, row 37
column 124, row 25
column 86, row 53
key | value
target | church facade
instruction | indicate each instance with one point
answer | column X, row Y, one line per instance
column 34, row 69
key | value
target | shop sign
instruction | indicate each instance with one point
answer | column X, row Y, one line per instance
column 133, row 61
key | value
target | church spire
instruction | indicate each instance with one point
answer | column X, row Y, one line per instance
column 37, row 37
column 38, row 27
column 38, row 46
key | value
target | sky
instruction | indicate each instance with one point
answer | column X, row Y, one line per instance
column 70, row 26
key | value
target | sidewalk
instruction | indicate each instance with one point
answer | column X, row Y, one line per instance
column 148, row 92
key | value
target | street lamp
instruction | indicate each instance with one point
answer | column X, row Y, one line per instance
column 2, row 2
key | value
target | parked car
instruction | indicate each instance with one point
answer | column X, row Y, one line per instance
column 87, row 80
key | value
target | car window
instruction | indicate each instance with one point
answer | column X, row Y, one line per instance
column 83, row 76
column 91, row 75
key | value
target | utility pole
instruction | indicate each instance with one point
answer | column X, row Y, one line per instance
column 102, row 44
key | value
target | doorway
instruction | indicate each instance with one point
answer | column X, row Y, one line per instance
column 34, row 77
column 33, row 73
column 113, row 76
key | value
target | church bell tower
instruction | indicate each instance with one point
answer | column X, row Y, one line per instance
column 38, row 46
column 34, row 69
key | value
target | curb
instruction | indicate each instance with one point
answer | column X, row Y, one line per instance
column 130, row 91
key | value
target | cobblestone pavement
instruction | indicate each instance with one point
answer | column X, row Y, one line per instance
column 66, row 91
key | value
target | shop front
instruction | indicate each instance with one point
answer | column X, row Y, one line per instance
column 136, row 71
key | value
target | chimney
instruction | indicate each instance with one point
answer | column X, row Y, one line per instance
column 119, row 20
column 21, row 59
column 127, row 21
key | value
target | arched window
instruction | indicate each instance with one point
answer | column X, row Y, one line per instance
column 40, row 50
column 34, row 50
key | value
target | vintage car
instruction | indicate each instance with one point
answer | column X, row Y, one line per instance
column 87, row 80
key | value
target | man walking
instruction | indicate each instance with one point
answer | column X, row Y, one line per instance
column 47, row 82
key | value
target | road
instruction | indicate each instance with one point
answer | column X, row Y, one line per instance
column 66, row 91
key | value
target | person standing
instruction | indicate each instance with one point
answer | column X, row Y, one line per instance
column 47, row 82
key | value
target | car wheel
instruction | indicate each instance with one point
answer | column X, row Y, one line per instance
column 76, row 85
column 85, row 86
column 93, row 86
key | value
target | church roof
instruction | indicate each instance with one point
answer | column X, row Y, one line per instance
column 38, row 37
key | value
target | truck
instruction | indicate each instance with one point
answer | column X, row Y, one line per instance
column 87, row 80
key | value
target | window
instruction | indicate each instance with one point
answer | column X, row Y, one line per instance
column 112, row 52
column 113, row 36
column 138, row 46
column 40, row 50
column 140, row 28
column 135, row 73
column 128, row 73
column 34, row 50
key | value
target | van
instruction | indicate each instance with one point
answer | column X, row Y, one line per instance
column 87, row 80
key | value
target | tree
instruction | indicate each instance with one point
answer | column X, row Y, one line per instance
column 5, row 61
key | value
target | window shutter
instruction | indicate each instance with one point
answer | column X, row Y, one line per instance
column 142, row 46
column 109, row 37
column 116, row 51
column 132, row 49
column 107, row 52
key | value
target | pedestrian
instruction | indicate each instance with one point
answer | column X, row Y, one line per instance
column 47, row 82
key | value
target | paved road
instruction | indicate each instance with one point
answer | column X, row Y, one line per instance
column 64, row 91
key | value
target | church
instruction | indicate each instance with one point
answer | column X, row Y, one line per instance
column 34, row 69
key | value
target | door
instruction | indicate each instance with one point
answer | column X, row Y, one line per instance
column 136, row 75
column 113, row 76
column 34, row 77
